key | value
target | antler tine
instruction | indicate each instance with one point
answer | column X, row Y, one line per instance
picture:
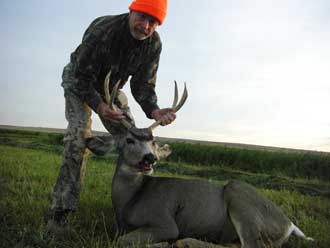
column 111, row 98
column 154, row 125
column 113, row 95
column 183, row 99
column 174, row 106
column 106, row 88
column 175, row 94
column 126, row 123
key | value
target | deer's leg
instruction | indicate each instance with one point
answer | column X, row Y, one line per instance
column 246, row 229
column 149, row 234
column 194, row 243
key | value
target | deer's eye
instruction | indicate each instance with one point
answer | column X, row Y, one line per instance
column 130, row 141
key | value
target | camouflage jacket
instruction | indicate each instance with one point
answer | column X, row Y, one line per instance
column 108, row 45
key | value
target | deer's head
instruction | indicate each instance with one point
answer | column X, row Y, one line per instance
column 137, row 148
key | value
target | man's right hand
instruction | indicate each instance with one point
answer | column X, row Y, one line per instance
column 107, row 113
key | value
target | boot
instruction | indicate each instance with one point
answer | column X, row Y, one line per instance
column 57, row 224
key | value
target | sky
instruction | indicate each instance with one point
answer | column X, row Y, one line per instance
column 257, row 71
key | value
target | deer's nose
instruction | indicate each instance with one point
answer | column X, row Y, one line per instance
column 149, row 158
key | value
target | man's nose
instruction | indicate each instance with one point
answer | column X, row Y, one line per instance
column 145, row 24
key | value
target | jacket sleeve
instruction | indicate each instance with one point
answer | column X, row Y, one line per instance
column 143, row 84
column 87, row 68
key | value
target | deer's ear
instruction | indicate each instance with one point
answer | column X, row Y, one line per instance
column 164, row 151
column 100, row 145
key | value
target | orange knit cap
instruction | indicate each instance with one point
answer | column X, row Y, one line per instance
column 155, row 8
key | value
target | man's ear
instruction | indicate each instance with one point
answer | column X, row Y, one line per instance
column 100, row 145
column 164, row 151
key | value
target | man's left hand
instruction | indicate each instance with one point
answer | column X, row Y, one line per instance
column 166, row 115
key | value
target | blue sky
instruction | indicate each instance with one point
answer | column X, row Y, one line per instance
column 257, row 71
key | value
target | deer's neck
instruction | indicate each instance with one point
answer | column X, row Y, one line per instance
column 125, row 185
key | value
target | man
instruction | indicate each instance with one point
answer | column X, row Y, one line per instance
column 127, row 45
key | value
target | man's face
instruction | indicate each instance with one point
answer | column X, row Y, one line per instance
column 142, row 25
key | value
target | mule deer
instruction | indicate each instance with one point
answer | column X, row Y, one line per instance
column 156, row 209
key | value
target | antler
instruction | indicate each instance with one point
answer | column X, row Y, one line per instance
column 175, row 107
column 111, row 98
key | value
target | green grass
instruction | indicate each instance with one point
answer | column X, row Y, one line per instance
column 28, row 174
column 293, row 164
column 28, row 177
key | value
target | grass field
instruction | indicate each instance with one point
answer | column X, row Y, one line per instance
column 29, row 162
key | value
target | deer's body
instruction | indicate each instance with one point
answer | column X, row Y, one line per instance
column 159, row 209
column 181, row 208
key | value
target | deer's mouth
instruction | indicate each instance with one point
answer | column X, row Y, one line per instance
column 145, row 167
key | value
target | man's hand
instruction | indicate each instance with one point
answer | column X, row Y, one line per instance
column 166, row 115
column 112, row 115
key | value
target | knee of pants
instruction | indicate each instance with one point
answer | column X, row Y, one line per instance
column 74, row 140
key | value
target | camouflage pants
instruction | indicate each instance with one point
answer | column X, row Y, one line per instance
column 78, row 114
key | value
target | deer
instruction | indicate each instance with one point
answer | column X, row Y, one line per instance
column 165, row 209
